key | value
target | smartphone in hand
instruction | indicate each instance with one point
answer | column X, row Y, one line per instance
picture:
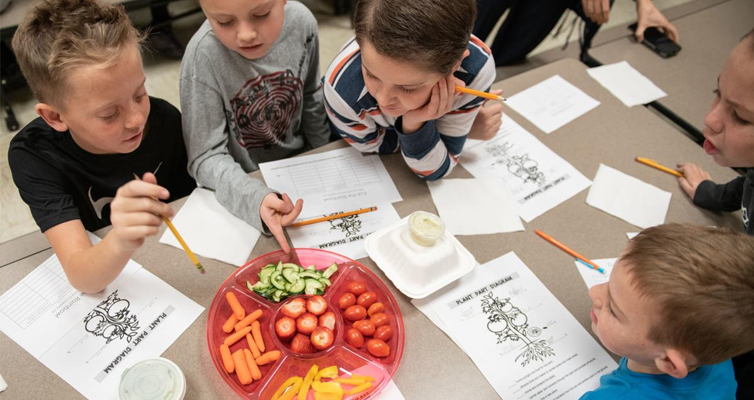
column 658, row 42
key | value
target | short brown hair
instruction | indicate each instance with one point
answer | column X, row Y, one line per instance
column 702, row 281
column 431, row 33
column 59, row 35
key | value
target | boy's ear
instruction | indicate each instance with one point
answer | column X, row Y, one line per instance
column 51, row 116
column 674, row 363
column 458, row 64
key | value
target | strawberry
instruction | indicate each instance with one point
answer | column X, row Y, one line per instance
column 302, row 344
column 285, row 328
column 295, row 308
column 316, row 305
column 328, row 320
column 306, row 323
column 322, row 338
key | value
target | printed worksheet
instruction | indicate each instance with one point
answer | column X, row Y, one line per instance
column 537, row 178
column 333, row 181
column 522, row 339
column 344, row 235
column 552, row 103
column 592, row 277
column 89, row 339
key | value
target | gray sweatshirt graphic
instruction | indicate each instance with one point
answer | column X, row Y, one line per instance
column 238, row 113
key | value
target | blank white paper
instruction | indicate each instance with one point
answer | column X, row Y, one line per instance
column 552, row 103
column 626, row 83
column 211, row 230
column 592, row 277
column 628, row 198
column 486, row 206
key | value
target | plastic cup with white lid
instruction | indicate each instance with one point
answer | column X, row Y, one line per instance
column 425, row 228
column 153, row 378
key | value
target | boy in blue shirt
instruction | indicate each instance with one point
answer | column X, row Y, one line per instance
column 677, row 308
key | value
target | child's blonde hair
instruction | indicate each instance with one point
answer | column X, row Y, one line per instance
column 701, row 281
column 57, row 36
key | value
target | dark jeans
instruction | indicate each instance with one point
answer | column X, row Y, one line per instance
column 528, row 23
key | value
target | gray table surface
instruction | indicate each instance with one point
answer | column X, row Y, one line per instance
column 707, row 38
column 432, row 366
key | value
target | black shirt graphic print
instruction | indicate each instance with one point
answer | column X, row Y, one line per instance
column 61, row 182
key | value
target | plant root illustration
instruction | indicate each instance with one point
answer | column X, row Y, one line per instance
column 521, row 166
column 112, row 319
column 510, row 323
column 350, row 225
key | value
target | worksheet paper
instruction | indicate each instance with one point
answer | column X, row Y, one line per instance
column 487, row 206
column 631, row 235
column 211, row 230
column 537, row 178
column 89, row 339
column 333, row 181
column 592, row 277
column 628, row 198
column 626, row 83
column 551, row 103
column 522, row 339
column 344, row 235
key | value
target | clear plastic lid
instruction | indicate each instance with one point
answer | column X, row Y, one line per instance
column 154, row 378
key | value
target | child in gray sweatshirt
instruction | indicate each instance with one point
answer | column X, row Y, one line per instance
column 250, row 93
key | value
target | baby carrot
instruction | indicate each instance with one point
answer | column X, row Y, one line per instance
column 230, row 323
column 235, row 305
column 242, row 370
column 253, row 367
column 256, row 331
column 230, row 340
column 268, row 357
column 227, row 359
column 253, row 346
column 248, row 320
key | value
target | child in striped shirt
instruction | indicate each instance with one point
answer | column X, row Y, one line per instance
column 393, row 86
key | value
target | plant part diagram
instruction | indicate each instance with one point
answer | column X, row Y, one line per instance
column 350, row 225
column 112, row 319
column 508, row 322
column 519, row 165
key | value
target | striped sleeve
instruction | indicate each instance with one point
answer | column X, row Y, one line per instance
column 433, row 151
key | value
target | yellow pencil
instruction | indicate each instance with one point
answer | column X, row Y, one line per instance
column 332, row 217
column 479, row 93
column 177, row 235
column 654, row 164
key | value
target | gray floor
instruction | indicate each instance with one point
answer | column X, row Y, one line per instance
column 162, row 81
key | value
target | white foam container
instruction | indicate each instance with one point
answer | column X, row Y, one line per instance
column 153, row 378
column 418, row 271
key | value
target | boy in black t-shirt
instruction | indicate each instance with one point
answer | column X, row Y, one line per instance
column 74, row 165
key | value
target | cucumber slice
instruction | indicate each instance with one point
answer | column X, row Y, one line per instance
column 312, row 268
column 279, row 267
column 310, row 274
column 291, row 265
column 277, row 280
column 325, row 281
column 313, row 286
column 259, row 286
column 330, row 270
column 290, row 274
column 264, row 274
column 298, row 286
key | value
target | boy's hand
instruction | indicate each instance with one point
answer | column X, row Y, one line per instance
column 135, row 212
column 440, row 103
column 488, row 120
column 597, row 10
column 649, row 16
column 692, row 177
column 277, row 213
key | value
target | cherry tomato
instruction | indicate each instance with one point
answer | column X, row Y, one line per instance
column 355, row 313
column 380, row 319
column 378, row 348
column 357, row 288
column 366, row 299
column 366, row 327
column 375, row 308
column 354, row 338
column 384, row 333
column 347, row 300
